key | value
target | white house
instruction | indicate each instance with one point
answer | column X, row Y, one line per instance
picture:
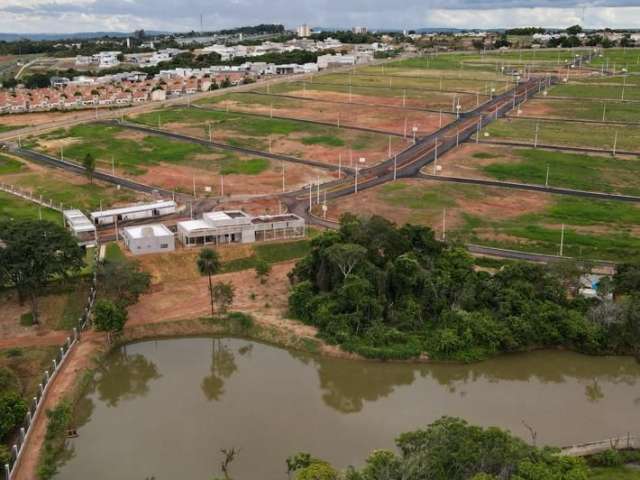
column 154, row 238
column 133, row 212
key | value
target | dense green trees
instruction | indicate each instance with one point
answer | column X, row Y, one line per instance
column 109, row 317
column 34, row 252
column 451, row 449
column 390, row 292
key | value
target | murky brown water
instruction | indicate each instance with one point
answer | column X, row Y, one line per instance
column 166, row 408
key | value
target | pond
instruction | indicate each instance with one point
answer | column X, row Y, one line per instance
column 166, row 408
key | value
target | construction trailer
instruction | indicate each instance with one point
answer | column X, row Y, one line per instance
column 134, row 212
column 144, row 239
column 224, row 227
column 81, row 227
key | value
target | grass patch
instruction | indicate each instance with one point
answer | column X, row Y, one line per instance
column 581, row 110
column 107, row 142
column 14, row 208
column 113, row 253
column 584, row 91
column 10, row 165
column 26, row 319
column 9, row 128
column 270, row 253
column 570, row 170
column 235, row 166
column 328, row 140
column 614, row 473
column 566, row 134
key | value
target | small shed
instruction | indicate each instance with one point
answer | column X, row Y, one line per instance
column 154, row 238
column 80, row 226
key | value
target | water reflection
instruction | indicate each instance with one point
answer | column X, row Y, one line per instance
column 348, row 385
column 223, row 366
column 124, row 377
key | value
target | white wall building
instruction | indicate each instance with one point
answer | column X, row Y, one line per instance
column 220, row 228
column 80, row 226
column 144, row 239
column 303, row 31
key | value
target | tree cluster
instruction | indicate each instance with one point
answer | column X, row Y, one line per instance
column 451, row 449
column 387, row 292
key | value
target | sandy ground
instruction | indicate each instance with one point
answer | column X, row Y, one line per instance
column 379, row 118
column 31, row 119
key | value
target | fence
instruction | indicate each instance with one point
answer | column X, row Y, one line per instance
column 30, row 197
column 37, row 405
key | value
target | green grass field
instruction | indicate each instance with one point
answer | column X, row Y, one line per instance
column 106, row 142
column 619, row 58
column 270, row 253
column 253, row 166
column 585, row 91
column 10, row 165
column 565, row 134
column 86, row 196
column 9, row 128
column 14, row 208
column 614, row 473
column 581, row 110
column 570, row 170
column 253, row 131
column 395, row 83
column 593, row 228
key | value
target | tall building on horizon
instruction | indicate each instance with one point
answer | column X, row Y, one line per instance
column 303, row 31
column 359, row 30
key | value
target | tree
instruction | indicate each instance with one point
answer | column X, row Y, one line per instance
column 89, row 164
column 12, row 411
column 209, row 264
column 122, row 281
column 346, row 256
column 222, row 294
column 318, row 471
column 574, row 30
column 263, row 269
column 36, row 252
column 109, row 317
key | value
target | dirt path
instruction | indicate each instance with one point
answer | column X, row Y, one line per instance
column 37, row 340
column 80, row 358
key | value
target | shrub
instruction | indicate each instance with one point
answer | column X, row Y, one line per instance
column 608, row 458
column 244, row 320
column 12, row 411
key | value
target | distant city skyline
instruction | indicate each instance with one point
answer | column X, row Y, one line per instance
column 67, row 16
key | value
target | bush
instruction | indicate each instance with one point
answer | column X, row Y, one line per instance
column 5, row 455
column 12, row 412
column 244, row 320
column 14, row 352
column 26, row 319
column 59, row 419
column 608, row 458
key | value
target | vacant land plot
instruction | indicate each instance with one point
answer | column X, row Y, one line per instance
column 289, row 137
column 65, row 188
column 580, row 110
column 573, row 134
column 504, row 218
column 526, row 165
column 616, row 59
column 378, row 96
column 378, row 118
column 416, row 83
column 586, row 91
column 172, row 164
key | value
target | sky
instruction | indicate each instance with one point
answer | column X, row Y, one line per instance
column 66, row 16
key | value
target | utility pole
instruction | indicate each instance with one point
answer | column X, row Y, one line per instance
column 395, row 167
column 604, row 111
column 339, row 166
column 194, row 186
column 318, row 198
column 310, row 196
column 615, row 143
column 535, row 140
column 222, row 185
column 356, row 184
column 389, row 149
column 283, row 180
column 444, row 224
column 435, row 160
column 562, row 241
column 546, row 182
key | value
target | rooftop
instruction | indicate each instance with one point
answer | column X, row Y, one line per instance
column 146, row 231
column 78, row 221
column 133, row 208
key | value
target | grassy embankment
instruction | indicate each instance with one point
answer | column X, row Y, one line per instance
column 580, row 110
column 584, row 91
column 619, row 58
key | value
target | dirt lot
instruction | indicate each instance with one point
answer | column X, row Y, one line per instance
column 379, row 118
column 180, row 178
column 461, row 162
column 31, row 119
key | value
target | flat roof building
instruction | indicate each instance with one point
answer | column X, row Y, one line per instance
column 134, row 212
column 222, row 227
column 80, row 226
column 144, row 239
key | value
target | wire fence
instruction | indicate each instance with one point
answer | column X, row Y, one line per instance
column 30, row 196
column 37, row 403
